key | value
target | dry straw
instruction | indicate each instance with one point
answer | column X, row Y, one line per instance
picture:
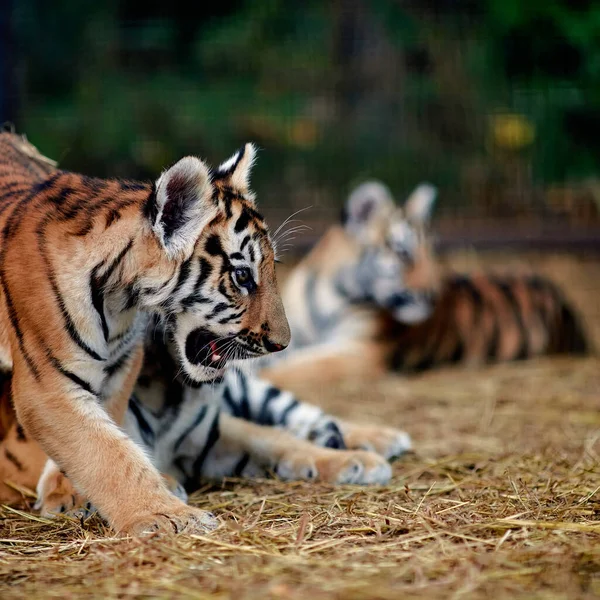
column 502, row 500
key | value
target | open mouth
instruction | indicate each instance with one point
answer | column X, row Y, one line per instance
column 208, row 350
column 204, row 348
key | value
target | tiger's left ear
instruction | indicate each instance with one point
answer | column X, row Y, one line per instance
column 236, row 169
column 181, row 206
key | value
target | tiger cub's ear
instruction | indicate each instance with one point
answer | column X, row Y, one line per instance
column 419, row 205
column 236, row 170
column 181, row 206
column 369, row 205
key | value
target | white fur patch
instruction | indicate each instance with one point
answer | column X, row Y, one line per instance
column 238, row 168
column 419, row 204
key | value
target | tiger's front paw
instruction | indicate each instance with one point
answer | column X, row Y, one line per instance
column 385, row 441
column 56, row 495
column 180, row 519
column 335, row 466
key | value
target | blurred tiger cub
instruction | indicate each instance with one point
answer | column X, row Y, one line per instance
column 348, row 318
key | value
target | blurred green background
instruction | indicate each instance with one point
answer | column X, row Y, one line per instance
column 497, row 102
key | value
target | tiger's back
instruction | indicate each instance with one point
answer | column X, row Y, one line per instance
column 485, row 318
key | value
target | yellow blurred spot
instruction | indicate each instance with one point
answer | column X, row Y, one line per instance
column 511, row 131
column 303, row 133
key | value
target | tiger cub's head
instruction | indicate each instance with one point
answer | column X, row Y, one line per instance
column 223, row 302
column 396, row 269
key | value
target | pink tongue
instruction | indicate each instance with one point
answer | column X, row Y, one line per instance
column 215, row 355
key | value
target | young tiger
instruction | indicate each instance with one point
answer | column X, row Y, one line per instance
column 83, row 261
column 348, row 320
column 377, row 264
column 234, row 425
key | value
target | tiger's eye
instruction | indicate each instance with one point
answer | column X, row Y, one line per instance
column 242, row 275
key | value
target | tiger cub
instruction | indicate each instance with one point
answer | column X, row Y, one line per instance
column 349, row 320
column 233, row 425
column 378, row 262
column 83, row 263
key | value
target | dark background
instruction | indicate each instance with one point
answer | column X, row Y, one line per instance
column 497, row 102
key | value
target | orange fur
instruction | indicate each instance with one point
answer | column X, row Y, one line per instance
column 57, row 227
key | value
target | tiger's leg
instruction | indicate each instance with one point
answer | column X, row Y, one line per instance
column 73, row 427
column 255, row 400
column 386, row 441
column 56, row 493
column 275, row 450
column 21, row 463
column 59, row 493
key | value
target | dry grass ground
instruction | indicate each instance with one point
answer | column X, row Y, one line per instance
column 501, row 499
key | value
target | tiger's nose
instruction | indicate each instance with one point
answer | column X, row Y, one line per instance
column 273, row 346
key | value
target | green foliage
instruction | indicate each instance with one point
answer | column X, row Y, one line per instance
column 332, row 91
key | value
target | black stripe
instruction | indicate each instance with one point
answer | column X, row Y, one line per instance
column 68, row 321
column 219, row 308
column 13, row 459
column 10, row 227
column 69, row 324
column 241, row 465
column 244, row 404
column 242, row 221
column 21, row 437
column 14, row 321
column 112, row 217
column 205, row 271
column 211, row 440
column 196, row 296
column 8, row 231
column 110, row 370
column 265, row 416
column 236, row 256
column 98, row 283
column 244, row 242
column 70, row 375
column 223, row 291
column 119, row 336
column 147, row 433
column 286, row 413
column 506, row 291
column 213, row 245
column 232, row 317
column 230, row 402
column 184, row 273
column 199, row 418
column 151, row 205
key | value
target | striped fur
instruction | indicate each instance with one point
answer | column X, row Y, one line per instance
column 486, row 318
column 83, row 262
column 349, row 320
column 236, row 426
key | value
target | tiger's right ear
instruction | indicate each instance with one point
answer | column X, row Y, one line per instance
column 368, row 204
column 181, row 206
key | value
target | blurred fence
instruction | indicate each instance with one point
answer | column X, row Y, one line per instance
column 496, row 102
